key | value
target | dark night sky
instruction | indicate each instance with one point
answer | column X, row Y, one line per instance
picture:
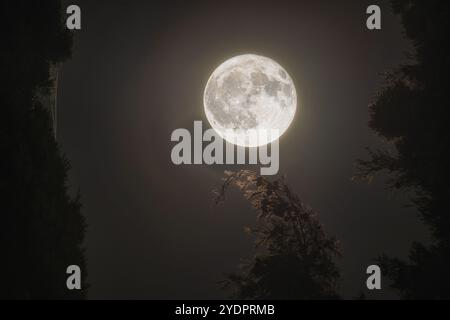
column 138, row 72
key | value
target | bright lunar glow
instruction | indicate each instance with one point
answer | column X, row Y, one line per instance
column 250, row 93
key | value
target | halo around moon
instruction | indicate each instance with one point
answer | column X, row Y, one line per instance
column 247, row 94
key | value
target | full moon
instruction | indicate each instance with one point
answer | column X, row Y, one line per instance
column 250, row 93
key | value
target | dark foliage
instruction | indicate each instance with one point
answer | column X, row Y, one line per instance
column 294, row 258
column 412, row 112
column 42, row 226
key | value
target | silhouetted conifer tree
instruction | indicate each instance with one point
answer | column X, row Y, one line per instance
column 412, row 113
column 294, row 258
column 42, row 226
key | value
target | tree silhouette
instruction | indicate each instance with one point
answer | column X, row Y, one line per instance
column 294, row 258
column 412, row 113
column 42, row 226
